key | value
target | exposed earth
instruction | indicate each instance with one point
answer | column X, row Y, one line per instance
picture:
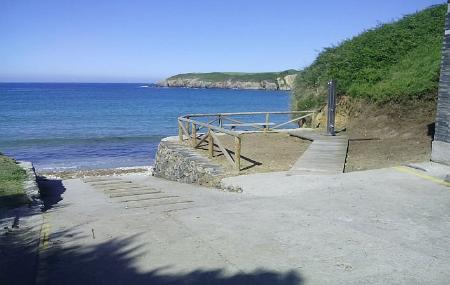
column 395, row 134
column 261, row 152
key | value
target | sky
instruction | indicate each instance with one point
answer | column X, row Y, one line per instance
column 148, row 40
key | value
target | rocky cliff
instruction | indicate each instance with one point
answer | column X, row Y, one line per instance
column 263, row 81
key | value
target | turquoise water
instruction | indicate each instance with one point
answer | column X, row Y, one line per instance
column 87, row 126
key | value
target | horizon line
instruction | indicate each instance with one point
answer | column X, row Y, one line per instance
column 72, row 82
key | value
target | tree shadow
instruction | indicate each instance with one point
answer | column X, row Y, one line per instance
column 9, row 202
column 75, row 258
column 114, row 262
column 51, row 191
column 18, row 252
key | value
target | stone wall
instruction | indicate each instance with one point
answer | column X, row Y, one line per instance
column 441, row 144
column 31, row 187
column 181, row 163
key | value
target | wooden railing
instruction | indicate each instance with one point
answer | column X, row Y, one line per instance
column 189, row 127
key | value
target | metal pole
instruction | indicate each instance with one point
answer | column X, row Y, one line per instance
column 331, row 108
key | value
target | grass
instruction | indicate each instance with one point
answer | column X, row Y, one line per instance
column 393, row 62
column 234, row 76
column 12, row 178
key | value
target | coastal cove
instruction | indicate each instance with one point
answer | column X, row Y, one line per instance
column 71, row 126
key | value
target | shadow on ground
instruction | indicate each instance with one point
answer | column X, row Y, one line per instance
column 115, row 262
column 75, row 256
column 51, row 191
column 11, row 201
column 431, row 128
column 18, row 250
column 217, row 153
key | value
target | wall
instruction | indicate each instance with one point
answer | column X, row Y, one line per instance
column 441, row 144
column 181, row 163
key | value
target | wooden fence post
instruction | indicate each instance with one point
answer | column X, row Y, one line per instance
column 313, row 120
column 267, row 123
column 180, row 132
column 187, row 129
column 210, row 144
column 237, row 153
column 194, row 135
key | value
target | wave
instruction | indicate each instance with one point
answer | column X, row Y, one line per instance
column 80, row 141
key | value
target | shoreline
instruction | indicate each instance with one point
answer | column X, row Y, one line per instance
column 220, row 88
column 80, row 173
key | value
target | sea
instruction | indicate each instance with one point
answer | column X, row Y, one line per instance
column 82, row 126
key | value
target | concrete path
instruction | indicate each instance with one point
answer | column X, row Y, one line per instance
column 19, row 242
column 325, row 155
column 374, row 227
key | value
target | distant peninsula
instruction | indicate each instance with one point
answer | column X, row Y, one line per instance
column 234, row 80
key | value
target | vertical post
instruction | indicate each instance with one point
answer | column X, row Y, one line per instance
column 331, row 118
column 180, row 132
column 237, row 153
column 187, row 129
column 210, row 144
column 313, row 120
column 266, row 128
column 194, row 135
column 220, row 121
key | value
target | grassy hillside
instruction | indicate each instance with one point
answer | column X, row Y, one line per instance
column 390, row 63
column 234, row 76
column 12, row 177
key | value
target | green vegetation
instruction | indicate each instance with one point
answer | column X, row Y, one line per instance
column 393, row 62
column 234, row 76
column 12, row 178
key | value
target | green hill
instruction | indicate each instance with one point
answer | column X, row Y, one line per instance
column 390, row 63
column 240, row 80
column 235, row 76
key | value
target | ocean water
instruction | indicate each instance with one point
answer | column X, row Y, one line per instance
column 62, row 126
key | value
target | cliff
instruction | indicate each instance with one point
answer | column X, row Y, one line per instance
column 233, row 80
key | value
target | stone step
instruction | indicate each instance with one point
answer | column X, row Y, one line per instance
column 132, row 193
column 157, row 203
column 144, row 197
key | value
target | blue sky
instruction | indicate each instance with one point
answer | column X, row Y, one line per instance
column 142, row 41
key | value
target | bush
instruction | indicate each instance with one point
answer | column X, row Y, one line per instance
column 392, row 62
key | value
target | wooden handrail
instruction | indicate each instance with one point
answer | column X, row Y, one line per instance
column 188, row 127
column 212, row 127
column 248, row 113
column 291, row 121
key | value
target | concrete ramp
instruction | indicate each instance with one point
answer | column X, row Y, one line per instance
column 325, row 155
